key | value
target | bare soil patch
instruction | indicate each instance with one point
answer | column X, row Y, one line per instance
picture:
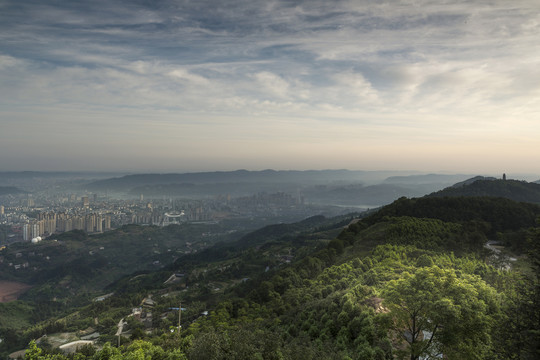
column 11, row 290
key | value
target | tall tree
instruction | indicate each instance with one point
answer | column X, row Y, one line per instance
column 437, row 313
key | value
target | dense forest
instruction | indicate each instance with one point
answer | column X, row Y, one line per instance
column 510, row 189
column 426, row 278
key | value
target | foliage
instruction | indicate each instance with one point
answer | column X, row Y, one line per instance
column 436, row 312
column 501, row 214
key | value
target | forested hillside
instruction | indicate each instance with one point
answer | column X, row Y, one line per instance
column 414, row 280
column 510, row 189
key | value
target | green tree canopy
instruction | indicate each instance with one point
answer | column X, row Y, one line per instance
column 436, row 312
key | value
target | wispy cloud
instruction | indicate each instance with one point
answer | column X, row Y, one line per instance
column 409, row 72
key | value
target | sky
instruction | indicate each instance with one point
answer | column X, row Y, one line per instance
column 198, row 85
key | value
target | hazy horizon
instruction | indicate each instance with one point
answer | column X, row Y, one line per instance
column 131, row 86
column 527, row 176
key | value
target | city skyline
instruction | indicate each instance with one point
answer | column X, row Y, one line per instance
column 200, row 86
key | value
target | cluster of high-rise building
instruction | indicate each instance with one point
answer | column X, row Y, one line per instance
column 48, row 223
column 44, row 214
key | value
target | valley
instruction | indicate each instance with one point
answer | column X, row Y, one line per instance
column 330, row 287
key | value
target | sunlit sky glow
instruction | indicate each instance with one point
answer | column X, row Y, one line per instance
column 223, row 85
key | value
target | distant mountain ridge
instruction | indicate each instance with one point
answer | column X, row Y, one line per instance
column 137, row 180
column 356, row 188
column 308, row 177
column 328, row 187
column 472, row 180
column 479, row 186
column 426, row 179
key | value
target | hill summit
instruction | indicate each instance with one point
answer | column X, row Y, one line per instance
column 516, row 190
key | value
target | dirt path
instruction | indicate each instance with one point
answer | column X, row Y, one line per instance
column 10, row 290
